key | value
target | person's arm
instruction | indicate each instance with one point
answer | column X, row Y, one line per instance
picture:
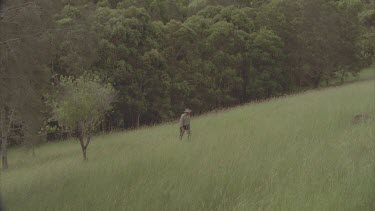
column 181, row 120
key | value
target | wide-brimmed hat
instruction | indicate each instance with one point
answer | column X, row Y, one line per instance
column 187, row 110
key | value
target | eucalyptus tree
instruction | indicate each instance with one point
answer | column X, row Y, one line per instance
column 130, row 60
column 24, row 53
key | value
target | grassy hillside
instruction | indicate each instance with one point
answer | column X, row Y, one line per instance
column 295, row 153
column 365, row 74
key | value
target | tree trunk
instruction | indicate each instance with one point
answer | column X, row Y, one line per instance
column 124, row 123
column 244, row 93
column 83, row 148
column 342, row 77
column 33, row 149
column 84, row 154
column 4, row 152
column 317, row 81
column 136, row 120
column 138, row 117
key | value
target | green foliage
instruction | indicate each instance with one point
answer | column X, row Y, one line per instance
column 68, row 14
column 51, row 129
column 267, row 54
column 162, row 56
column 130, row 60
column 367, row 18
column 82, row 101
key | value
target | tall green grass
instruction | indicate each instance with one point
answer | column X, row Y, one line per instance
column 367, row 74
column 295, row 153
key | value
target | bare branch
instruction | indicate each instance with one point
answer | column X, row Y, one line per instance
column 88, row 140
column 21, row 6
column 10, row 22
column 41, row 33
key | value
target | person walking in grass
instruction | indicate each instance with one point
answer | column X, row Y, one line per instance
column 185, row 123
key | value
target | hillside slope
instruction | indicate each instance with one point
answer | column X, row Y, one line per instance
column 295, row 153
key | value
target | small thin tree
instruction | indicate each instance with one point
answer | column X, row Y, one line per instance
column 81, row 104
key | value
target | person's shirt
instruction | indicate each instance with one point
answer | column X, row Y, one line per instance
column 184, row 120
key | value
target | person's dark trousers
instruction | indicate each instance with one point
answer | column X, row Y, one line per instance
column 183, row 129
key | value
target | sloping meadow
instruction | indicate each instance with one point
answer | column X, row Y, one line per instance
column 300, row 152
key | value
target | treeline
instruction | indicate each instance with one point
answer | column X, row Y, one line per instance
column 162, row 56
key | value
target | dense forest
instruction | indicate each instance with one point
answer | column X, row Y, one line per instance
column 161, row 56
